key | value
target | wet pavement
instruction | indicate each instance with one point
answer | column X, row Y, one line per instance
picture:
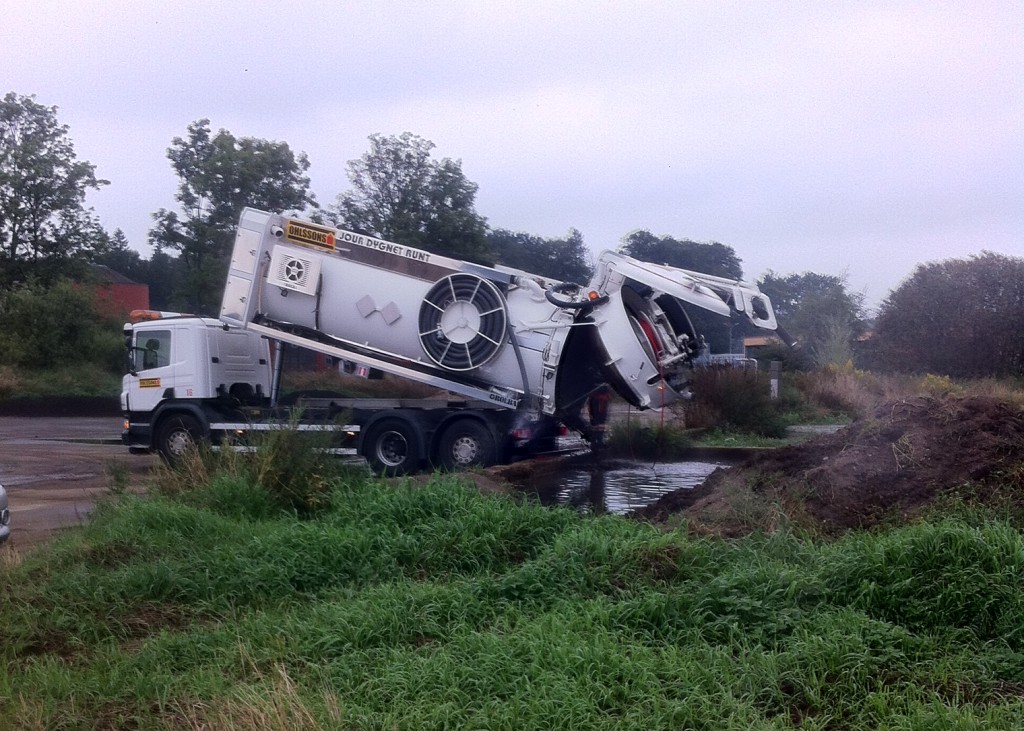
column 54, row 469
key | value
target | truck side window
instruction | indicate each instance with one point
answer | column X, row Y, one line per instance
column 156, row 348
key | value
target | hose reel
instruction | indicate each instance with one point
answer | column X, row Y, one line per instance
column 463, row 322
column 551, row 295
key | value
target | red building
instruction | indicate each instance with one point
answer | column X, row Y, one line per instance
column 116, row 294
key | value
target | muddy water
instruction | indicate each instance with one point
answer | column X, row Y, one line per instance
column 616, row 487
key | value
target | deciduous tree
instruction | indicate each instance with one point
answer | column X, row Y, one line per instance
column 220, row 174
column 958, row 317
column 565, row 259
column 399, row 193
column 708, row 257
column 820, row 311
column 43, row 219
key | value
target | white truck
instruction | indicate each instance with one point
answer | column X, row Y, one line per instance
column 512, row 352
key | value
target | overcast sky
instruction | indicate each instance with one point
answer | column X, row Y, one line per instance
column 857, row 138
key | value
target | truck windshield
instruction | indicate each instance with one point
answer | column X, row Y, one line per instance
column 153, row 349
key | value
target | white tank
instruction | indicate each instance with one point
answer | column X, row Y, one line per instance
column 507, row 336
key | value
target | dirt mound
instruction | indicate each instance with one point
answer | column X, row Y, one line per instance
column 892, row 465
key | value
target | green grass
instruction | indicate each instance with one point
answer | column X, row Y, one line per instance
column 724, row 438
column 729, row 438
column 80, row 379
column 635, row 440
column 411, row 606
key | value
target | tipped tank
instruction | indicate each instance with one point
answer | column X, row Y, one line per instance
column 510, row 337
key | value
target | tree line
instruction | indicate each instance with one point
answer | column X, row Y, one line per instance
column 958, row 317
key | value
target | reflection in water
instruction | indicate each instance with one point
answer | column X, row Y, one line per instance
column 621, row 487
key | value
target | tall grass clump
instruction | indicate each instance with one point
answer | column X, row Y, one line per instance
column 737, row 399
column 926, row 577
column 293, row 469
column 845, row 391
column 646, row 441
column 1007, row 390
column 424, row 604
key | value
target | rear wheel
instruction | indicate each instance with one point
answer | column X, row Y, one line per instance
column 466, row 443
column 393, row 448
column 177, row 436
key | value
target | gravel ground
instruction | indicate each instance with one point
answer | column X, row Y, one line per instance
column 54, row 468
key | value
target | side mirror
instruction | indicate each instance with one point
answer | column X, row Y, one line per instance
column 129, row 357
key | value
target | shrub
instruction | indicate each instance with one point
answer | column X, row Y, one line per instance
column 48, row 327
column 741, row 399
column 292, row 467
column 939, row 386
column 645, row 441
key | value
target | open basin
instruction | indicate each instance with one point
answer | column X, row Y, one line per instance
column 615, row 486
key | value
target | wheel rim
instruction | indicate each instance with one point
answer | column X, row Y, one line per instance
column 392, row 449
column 179, row 441
column 464, row 450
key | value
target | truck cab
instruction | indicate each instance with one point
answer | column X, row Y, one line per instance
column 187, row 368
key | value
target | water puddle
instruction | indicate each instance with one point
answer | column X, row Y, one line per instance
column 616, row 487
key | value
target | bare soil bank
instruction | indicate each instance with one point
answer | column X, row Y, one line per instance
column 890, row 467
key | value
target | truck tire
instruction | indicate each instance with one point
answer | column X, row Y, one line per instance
column 392, row 447
column 176, row 436
column 466, row 443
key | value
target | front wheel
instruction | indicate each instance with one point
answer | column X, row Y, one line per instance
column 177, row 436
column 467, row 443
column 393, row 448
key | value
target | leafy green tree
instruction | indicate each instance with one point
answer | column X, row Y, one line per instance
column 958, row 317
column 162, row 272
column 820, row 311
column 114, row 252
column 708, row 258
column 565, row 259
column 43, row 220
column 400, row 194
column 219, row 175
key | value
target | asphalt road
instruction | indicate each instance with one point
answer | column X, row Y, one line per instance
column 54, row 468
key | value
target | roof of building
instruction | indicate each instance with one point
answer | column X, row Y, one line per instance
column 106, row 275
